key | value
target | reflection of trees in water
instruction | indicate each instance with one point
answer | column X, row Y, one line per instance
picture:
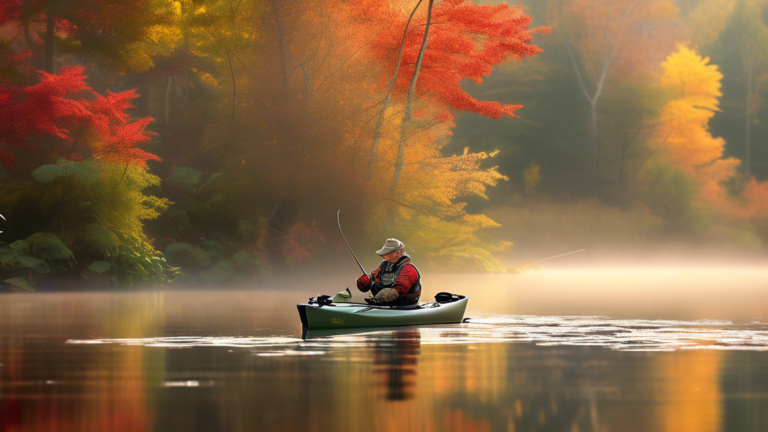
column 591, row 389
column 527, row 388
column 396, row 358
column 46, row 385
column 744, row 392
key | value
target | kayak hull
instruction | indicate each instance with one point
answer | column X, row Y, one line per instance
column 355, row 315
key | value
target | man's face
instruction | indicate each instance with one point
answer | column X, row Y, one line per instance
column 393, row 256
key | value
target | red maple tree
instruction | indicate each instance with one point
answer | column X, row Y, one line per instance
column 62, row 103
column 465, row 42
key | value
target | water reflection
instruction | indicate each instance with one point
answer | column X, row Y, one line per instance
column 159, row 362
column 46, row 388
column 395, row 358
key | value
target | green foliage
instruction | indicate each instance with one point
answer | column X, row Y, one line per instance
column 211, row 179
column 247, row 264
column 35, row 264
column 94, row 208
column 100, row 267
column 21, row 283
column 245, row 229
column 139, row 266
column 48, row 173
column 241, row 257
column 186, row 255
column 14, row 259
column 214, row 250
column 184, row 176
column 217, row 212
column 86, row 171
column 49, row 247
column 100, row 240
column 218, row 272
column 21, row 246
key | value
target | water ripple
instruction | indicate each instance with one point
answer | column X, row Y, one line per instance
column 598, row 331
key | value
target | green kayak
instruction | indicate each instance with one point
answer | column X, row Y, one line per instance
column 352, row 315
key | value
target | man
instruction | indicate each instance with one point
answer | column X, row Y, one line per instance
column 397, row 281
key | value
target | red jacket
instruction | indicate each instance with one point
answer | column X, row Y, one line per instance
column 407, row 277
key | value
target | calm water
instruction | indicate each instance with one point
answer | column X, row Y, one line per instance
column 553, row 351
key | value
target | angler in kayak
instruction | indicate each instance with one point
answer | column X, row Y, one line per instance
column 397, row 281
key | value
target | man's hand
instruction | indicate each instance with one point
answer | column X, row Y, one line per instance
column 363, row 283
column 387, row 295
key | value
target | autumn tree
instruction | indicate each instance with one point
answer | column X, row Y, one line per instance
column 465, row 42
column 64, row 107
column 683, row 133
column 614, row 40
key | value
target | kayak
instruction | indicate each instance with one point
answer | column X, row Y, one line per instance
column 353, row 315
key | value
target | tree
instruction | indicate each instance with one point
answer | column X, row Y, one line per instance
column 751, row 35
column 615, row 39
column 105, row 30
column 435, row 54
column 63, row 106
column 683, row 130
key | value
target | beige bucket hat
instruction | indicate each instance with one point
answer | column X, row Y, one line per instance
column 389, row 246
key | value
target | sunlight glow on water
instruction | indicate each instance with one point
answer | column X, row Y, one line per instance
column 615, row 334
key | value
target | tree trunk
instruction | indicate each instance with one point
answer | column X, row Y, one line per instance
column 234, row 97
column 411, row 92
column 25, row 21
column 595, row 141
column 49, row 30
column 380, row 122
column 623, row 158
column 749, row 107
column 168, row 101
column 625, row 145
column 282, row 44
column 599, row 84
column 145, row 95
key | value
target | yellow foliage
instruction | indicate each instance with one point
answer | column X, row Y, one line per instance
column 425, row 210
column 683, row 132
column 138, row 61
column 125, row 205
column 684, row 122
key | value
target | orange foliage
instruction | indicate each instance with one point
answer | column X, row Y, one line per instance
column 465, row 42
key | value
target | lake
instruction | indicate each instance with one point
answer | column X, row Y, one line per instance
column 610, row 349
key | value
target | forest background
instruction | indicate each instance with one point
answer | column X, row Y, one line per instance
column 152, row 142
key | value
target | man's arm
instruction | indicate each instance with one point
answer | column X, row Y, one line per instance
column 408, row 276
column 364, row 281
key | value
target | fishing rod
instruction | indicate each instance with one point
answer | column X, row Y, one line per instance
column 345, row 241
column 544, row 259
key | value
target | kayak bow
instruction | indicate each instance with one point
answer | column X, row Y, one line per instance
column 352, row 315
